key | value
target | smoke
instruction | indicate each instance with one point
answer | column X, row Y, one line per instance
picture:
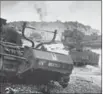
column 40, row 7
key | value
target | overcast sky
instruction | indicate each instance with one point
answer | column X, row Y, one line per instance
column 86, row 12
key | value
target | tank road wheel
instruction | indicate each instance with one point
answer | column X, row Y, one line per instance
column 64, row 81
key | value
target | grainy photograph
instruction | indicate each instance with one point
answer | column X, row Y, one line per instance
column 50, row 47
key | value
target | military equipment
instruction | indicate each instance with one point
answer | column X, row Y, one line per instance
column 33, row 65
column 80, row 50
column 85, row 57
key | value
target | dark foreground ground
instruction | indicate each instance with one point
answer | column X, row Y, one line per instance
column 83, row 80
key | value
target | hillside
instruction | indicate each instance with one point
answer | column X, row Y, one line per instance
column 91, row 35
column 60, row 26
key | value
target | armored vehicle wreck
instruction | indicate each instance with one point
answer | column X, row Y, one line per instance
column 33, row 65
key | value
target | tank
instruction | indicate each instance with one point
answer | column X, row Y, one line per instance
column 33, row 65
column 84, row 57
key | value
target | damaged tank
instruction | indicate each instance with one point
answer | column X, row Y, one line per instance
column 80, row 50
column 33, row 65
column 85, row 57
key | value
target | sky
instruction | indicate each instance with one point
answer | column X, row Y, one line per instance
column 85, row 12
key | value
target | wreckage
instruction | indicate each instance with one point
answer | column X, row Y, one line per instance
column 33, row 65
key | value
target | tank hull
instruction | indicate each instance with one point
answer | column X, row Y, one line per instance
column 34, row 66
